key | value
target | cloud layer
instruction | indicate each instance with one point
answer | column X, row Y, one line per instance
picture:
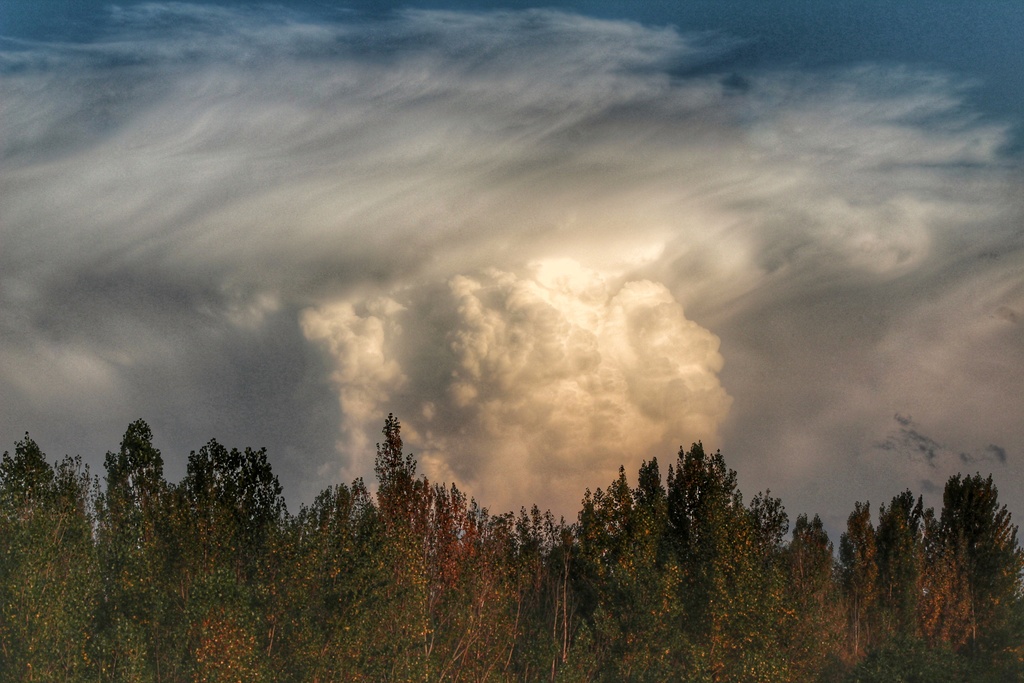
column 551, row 244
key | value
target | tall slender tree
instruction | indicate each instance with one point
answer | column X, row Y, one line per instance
column 729, row 596
column 404, row 502
column 137, row 605
column 817, row 632
column 899, row 540
column 859, row 562
column 49, row 578
column 975, row 522
column 944, row 610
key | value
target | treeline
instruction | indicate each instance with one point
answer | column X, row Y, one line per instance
column 677, row 579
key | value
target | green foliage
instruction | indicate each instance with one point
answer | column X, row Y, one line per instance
column 817, row 629
column 225, row 631
column 630, row 579
column 211, row 579
column 732, row 582
column 49, row 578
column 326, row 586
column 909, row 661
column 135, row 614
column 233, row 501
column 900, row 546
column 978, row 530
column 858, row 557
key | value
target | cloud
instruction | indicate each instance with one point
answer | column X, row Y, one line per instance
column 910, row 443
column 492, row 224
column 996, row 452
column 990, row 453
column 365, row 373
column 534, row 385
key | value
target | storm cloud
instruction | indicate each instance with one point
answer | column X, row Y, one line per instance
column 523, row 386
column 551, row 244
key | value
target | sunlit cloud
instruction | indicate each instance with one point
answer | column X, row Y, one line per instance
column 524, row 386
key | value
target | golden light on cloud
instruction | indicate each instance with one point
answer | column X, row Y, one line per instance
column 551, row 379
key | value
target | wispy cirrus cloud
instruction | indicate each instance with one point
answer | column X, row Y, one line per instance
column 524, row 232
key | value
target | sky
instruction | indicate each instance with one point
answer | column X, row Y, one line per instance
column 552, row 240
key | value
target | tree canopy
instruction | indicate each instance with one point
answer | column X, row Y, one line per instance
column 670, row 579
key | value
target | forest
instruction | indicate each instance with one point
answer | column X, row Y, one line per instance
column 678, row 578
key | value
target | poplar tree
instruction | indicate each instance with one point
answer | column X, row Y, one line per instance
column 815, row 637
column 729, row 594
column 974, row 522
column 402, row 642
column 633, row 610
column 232, row 505
column 49, row 578
column 859, row 563
column 900, row 547
column 137, row 609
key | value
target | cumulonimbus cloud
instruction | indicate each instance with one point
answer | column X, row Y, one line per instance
column 492, row 224
column 537, row 385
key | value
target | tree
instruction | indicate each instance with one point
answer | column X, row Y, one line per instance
column 974, row 522
column 138, row 606
column 234, row 499
column 628, row 580
column 404, row 632
column 212, row 580
column 908, row 660
column 858, row 560
column 730, row 601
column 900, row 545
column 396, row 476
column 817, row 628
column 325, row 589
column 49, row 578
column 225, row 631
column 230, row 505
column 770, row 524
column 944, row 608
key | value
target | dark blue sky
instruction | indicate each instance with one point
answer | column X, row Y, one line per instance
column 976, row 38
